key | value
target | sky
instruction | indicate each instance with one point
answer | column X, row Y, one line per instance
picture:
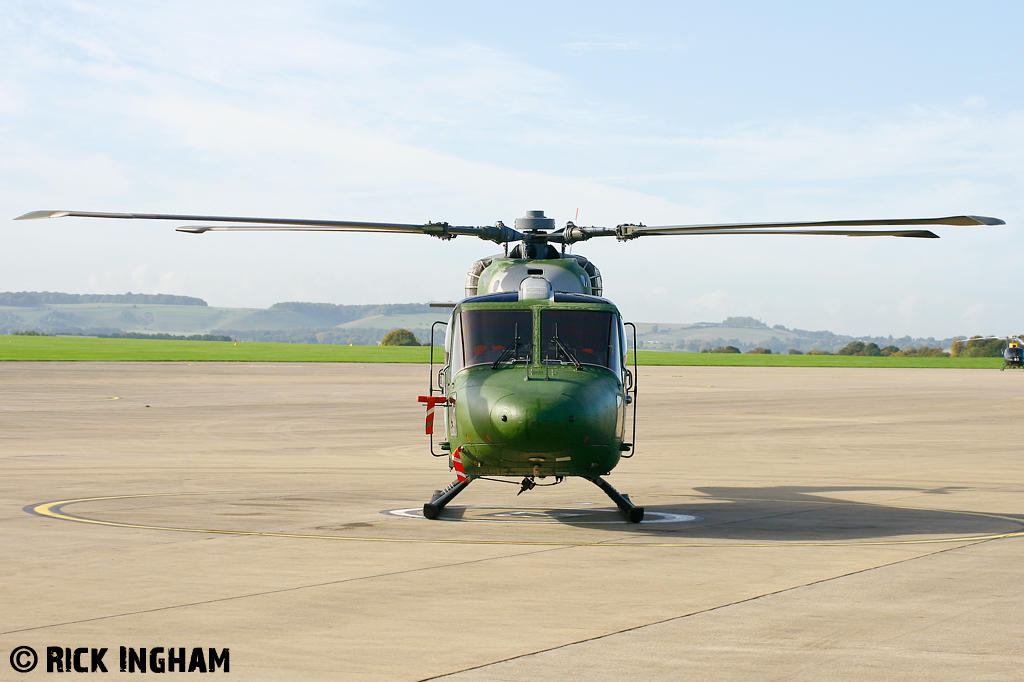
column 469, row 112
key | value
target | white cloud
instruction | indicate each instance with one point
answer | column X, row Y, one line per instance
column 583, row 46
column 712, row 300
column 607, row 43
column 930, row 141
column 908, row 306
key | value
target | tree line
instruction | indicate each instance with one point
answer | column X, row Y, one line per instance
column 873, row 350
column 853, row 348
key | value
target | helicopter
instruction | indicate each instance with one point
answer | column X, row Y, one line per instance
column 1013, row 354
column 534, row 381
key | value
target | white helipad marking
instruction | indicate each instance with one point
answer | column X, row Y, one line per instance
column 505, row 515
column 526, row 514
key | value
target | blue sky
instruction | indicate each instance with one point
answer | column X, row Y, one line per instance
column 681, row 112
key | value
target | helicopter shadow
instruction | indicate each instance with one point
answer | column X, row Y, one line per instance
column 808, row 514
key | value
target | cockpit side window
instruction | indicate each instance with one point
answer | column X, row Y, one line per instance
column 489, row 336
column 591, row 337
column 453, row 344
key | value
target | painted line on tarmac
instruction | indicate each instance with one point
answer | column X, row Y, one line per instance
column 55, row 510
column 39, row 397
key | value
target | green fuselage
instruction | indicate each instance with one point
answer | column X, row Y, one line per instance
column 551, row 404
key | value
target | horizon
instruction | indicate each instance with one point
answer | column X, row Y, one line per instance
column 724, row 322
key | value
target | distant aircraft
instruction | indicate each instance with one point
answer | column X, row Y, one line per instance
column 1013, row 356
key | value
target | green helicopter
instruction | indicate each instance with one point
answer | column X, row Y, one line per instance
column 534, row 382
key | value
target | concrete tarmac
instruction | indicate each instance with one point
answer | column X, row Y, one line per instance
column 803, row 524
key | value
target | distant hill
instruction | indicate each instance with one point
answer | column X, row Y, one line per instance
column 295, row 314
column 747, row 333
column 148, row 314
column 329, row 323
column 32, row 299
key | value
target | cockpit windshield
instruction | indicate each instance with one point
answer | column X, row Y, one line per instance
column 581, row 337
column 496, row 336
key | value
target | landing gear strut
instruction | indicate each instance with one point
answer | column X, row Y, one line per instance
column 634, row 513
column 442, row 497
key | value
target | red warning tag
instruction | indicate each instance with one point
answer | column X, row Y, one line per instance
column 432, row 401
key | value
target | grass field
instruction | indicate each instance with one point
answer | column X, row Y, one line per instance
column 155, row 350
column 756, row 360
column 60, row 348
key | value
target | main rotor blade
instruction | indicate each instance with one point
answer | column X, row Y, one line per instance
column 921, row 234
column 199, row 229
column 348, row 227
column 573, row 233
column 496, row 233
column 951, row 220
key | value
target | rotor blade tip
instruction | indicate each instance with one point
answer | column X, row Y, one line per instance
column 917, row 234
column 988, row 221
column 192, row 230
column 32, row 215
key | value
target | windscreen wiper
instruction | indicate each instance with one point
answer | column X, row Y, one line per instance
column 510, row 350
column 560, row 346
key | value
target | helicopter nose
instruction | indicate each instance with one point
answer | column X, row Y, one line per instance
column 544, row 422
column 551, row 422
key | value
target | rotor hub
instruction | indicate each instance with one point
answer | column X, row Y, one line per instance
column 534, row 221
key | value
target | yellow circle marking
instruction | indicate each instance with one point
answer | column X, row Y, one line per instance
column 54, row 510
